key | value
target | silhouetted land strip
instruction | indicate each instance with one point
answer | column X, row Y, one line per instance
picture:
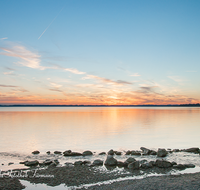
column 178, row 105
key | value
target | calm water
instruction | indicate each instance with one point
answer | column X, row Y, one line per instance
column 98, row 129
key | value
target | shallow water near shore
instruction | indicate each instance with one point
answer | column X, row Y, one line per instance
column 25, row 129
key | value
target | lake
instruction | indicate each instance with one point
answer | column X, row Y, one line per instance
column 25, row 129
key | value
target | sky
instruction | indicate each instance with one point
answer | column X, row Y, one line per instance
column 102, row 52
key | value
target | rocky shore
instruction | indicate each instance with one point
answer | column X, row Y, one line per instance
column 81, row 172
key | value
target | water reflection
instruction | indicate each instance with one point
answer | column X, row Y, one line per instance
column 97, row 128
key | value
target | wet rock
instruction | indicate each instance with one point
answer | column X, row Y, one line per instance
column 31, row 163
column 194, row 150
column 102, row 153
column 179, row 166
column 10, row 163
column 23, row 162
column 153, row 152
column 36, row 152
column 53, row 164
column 111, row 152
column 98, row 162
column 56, row 161
column 129, row 160
column 173, row 163
column 189, row 165
column 118, row 153
column 161, row 152
column 86, row 162
column 163, row 164
column 128, row 152
column 57, row 152
column 176, row 150
column 145, row 151
column 67, row 152
column 73, row 154
column 120, row 164
column 2, row 164
column 143, row 161
column 48, row 152
column 78, row 163
column 153, row 163
column 87, row 153
column 136, row 153
column 110, row 161
column 47, row 162
column 146, row 165
column 134, row 165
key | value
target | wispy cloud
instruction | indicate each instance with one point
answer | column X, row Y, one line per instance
column 4, row 38
column 75, row 71
column 9, row 73
column 135, row 75
column 107, row 81
column 8, row 86
column 177, row 79
column 27, row 57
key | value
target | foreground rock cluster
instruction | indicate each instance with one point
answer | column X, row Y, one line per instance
column 130, row 163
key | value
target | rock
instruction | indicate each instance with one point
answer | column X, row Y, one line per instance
column 73, row 154
column 173, row 163
column 134, row 165
column 120, row 164
column 47, row 162
column 161, row 152
column 143, row 161
column 23, row 162
column 111, row 152
column 136, row 153
column 52, row 165
column 189, row 165
column 153, row 163
column 118, row 153
column 145, row 151
column 175, row 150
column 31, row 163
column 102, row 153
column 98, row 162
column 10, row 163
column 57, row 152
column 86, row 162
column 48, row 152
column 128, row 152
column 179, row 166
column 56, row 161
column 153, row 152
column 129, row 160
column 87, row 153
column 146, row 165
column 163, row 164
column 78, row 163
column 110, row 161
column 67, row 151
column 2, row 164
column 194, row 150
column 36, row 152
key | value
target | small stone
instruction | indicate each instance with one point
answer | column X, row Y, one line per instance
column 102, row 153
column 47, row 162
column 194, row 150
column 179, row 166
column 128, row 152
column 31, row 163
column 87, row 153
column 10, row 163
column 161, row 152
column 48, row 152
column 136, row 153
column 118, row 153
column 176, row 150
column 78, row 163
column 67, row 152
column 120, row 164
column 36, row 152
column 111, row 152
column 57, row 152
column 98, row 162
column 145, row 151
column 134, row 165
column 110, row 161
column 189, row 165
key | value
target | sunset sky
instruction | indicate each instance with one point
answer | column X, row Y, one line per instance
column 93, row 52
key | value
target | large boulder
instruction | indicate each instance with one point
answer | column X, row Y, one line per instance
column 110, row 161
column 163, row 164
column 87, row 153
column 31, row 163
column 129, row 160
column 67, row 152
column 161, row 152
column 118, row 153
column 194, row 150
column 134, row 165
column 136, row 153
column 146, row 165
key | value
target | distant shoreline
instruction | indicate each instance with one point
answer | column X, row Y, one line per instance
column 179, row 105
